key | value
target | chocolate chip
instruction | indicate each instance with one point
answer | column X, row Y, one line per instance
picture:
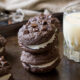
column 44, row 22
column 44, row 28
column 42, row 14
column 26, row 31
column 34, row 25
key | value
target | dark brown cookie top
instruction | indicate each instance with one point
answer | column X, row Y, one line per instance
column 4, row 66
column 2, row 41
column 38, row 29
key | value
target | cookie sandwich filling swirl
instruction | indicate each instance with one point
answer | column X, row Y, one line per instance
column 45, row 65
column 42, row 45
column 38, row 32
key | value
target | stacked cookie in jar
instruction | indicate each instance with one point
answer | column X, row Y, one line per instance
column 38, row 39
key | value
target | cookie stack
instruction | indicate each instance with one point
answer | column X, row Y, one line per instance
column 5, row 70
column 38, row 39
column 5, row 73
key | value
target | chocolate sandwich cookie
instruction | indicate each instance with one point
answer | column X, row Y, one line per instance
column 2, row 44
column 38, row 59
column 42, row 67
column 5, row 70
column 39, row 33
column 40, row 62
column 49, row 46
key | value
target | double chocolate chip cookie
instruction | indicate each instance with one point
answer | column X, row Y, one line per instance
column 38, row 39
column 39, row 33
column 40, row 63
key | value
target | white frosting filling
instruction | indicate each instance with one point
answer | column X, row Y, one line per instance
column 5, row 77
column 1, row 49
column 45, row 65
column 71, row 30
column 43, row 45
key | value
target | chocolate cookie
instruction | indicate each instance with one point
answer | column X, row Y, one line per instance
column 40, row 62
column 4, row 66
column 2, row 44
column 38, row 59
column 47, row 47
column 38, row 34
column 42, row 68
column 5, row 69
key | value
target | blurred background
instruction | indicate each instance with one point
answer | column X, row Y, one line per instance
column 15, row 13
column 33, row 7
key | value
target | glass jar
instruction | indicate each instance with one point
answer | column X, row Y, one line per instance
column 71, row 31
